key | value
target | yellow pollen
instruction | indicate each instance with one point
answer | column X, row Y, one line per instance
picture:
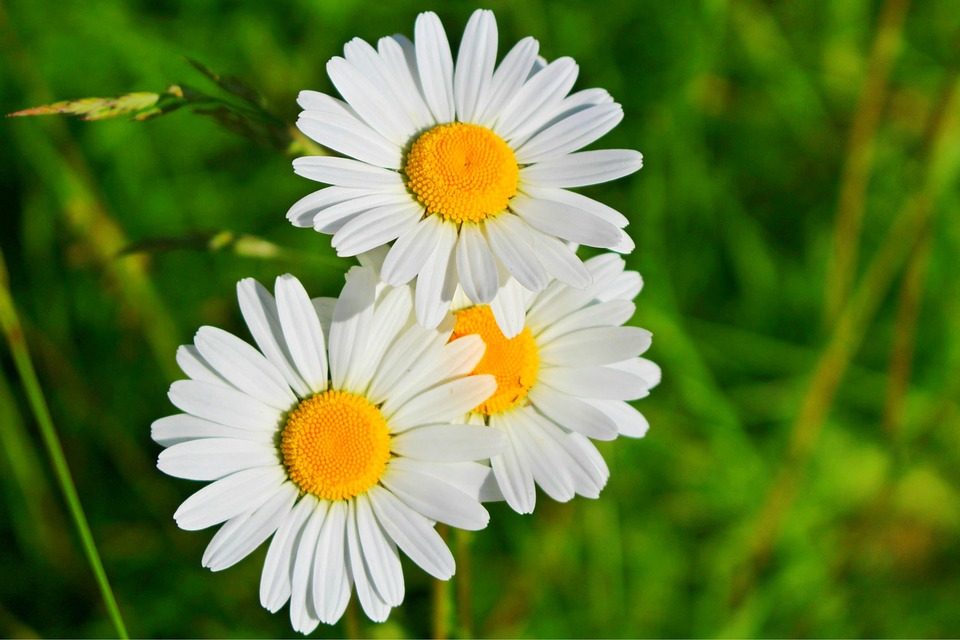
column 335, row 445
column 463, row 172
column 512, row 361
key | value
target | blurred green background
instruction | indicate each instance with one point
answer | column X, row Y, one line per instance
column 796, row 225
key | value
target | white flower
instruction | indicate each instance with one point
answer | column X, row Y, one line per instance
column 464, row 168
column 335, row 438
column 564, row 378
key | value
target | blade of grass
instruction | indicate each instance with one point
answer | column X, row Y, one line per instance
column 12, row 329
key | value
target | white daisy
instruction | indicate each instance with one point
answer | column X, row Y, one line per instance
column 564, row 378
column 335, row 438
column 465, row 168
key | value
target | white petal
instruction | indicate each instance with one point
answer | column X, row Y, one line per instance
column 373, row 605
column 240, row 536
column 334, row 218
column 533, row 103
column 578, row 201
column 468, row 477
column 442, row 403
column 514, row 479
column 413, row 533
column 440, row 363
column 330, row 578
column 391, row 315
column 303, row 211
column 595, row 382
column 352, row 318
column 628, row 420
column 510, row 239
column 476, row 268
column 244, row 367
column 302, row 331
column 402, row 98
column 403, row 80
column 223, row 405
column 196, row 367
column 611, row 313
column 449, row 443
column 278, row 565
column 369, row 101
column 379, row 552
column 583, row 461
column 570, row 134
column 411, row 251
column 376, row 227
column 435, row 65
column 338, row 129
column 437, row 280
column 345, row 172
column 557, row 301
column 573, row 414
column 183, row 427
column 595, row 346
column 561, row 261
column 303, row 615
column 542, row 455
column 508, row 78
column 565, row 222
column 649, row 371
column 582, row 168
column 509, row 308
column 475, row 62
column 213, row 458
column 259, row 311
column 230, row 496
column 435, row 499
column 416, row 347
column 625, row 286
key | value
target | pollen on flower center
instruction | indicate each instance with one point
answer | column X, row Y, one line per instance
column 463, row 172
column 335, row 445
column 514, row 362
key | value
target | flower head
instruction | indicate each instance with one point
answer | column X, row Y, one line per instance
column 463, row 169
column 334, row 436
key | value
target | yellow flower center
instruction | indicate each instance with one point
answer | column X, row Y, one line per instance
column 463, row 172
column 514, row 362
column 335, row 445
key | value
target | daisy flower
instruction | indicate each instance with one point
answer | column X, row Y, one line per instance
column 564, row 378
column 463, row 169
column 334, row 437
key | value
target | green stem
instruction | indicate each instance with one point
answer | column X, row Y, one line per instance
column 441, row 599
column 13, row 332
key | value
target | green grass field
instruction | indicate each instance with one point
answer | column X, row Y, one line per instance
column 796, row 225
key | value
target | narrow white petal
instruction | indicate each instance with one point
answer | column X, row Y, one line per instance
column 416, row 347
column 565, row 222
column 374, row 606
column 435, row 499
column 182, row 427
column 259, row 311
column 542, row 455
column 223, row 405
column 649, row 371
column 570, row 134
column 240, row 536
column 196, row 367
column 411, row 251
column 578, row 201
column 244, row 367
column 391, row 315
column 332, row 219
column 533, row 103
column 413, row 533
column 582, row 168
column 230, row 496
column 402, row 79
column 213, row 458
column 352, row 318
column 475, row 62
column 509, row 238
column 302, row 331
column 449, row 443
column 335, row 126
column 376, row 227
column 509, row 308
column 369, row 62
column 435, row 65
column 514, row 479
column 628, row 420
column 369, row 101
column 476, row 268
column 437, row 280
column 303, row 211
column 329, row 569
column 278, row 565
column 595, row 346
column 508, row 78
column 573, row 414
column 440, row 363
column 468, row 477
column 303, row 615
column 625, row 286
column 611, row 313
column 583, row 461
column 442, row 403
column 557, row 301
column 346, row 172
column 379, row 553
column 561, row 261
column 595, row 382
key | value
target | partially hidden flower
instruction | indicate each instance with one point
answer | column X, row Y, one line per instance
column 463, row 169
column 334, row 436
